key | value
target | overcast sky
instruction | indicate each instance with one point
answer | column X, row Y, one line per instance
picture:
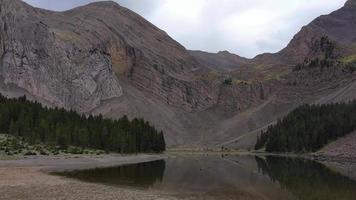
column 244, row 27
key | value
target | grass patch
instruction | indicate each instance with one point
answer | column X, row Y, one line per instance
column 348, row 59
column 16, row 146
column 68, row 36
column 239, row 81
column 212, row 75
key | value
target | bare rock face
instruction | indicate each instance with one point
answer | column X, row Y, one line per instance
column 147, row 56
column 242, row 96
column 350, row 3
column 52, row 63
column 73, row 59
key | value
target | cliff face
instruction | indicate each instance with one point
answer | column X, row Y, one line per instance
column 53, row 63
column 145, row 55
column 73, row 59
column 105, row 59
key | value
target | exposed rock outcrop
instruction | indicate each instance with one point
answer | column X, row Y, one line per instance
column 51, row 62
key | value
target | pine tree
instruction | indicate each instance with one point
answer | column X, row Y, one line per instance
column 20, row 117
column 309, row 127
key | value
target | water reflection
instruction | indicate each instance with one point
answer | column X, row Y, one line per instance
column 140, row 175
column 229, row 177
column 306, row 179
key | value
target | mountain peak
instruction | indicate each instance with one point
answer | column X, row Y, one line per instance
column 226, row 53
column 350, row 3
column 98, row 4
column 229, row 54
column 105, row 4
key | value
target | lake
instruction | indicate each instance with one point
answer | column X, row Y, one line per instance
column 228, row 177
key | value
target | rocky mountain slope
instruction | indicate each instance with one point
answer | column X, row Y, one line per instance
column 342, row 148
column 104, row 59
column 339, row 26
column 221, row 61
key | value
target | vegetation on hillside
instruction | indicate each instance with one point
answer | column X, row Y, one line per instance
column 59, row 127
column 17, row 146
column 309, row 127
column 325, row 47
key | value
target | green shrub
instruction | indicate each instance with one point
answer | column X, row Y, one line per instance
column 30, row 153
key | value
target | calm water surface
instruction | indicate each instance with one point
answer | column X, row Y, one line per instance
column 229, row 177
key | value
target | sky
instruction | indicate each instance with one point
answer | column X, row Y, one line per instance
column 243, row 27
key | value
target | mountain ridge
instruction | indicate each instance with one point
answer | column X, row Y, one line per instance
column 105, row 59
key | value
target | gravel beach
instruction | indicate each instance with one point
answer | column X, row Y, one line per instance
column 29, row 179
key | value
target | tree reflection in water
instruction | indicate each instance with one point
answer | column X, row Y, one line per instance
column 139, row 175
column 306, row 179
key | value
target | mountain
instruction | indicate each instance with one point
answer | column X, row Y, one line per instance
column 339, row 26
column 105, row 59
column 84, row 57
column 221, row 61
column 83, row 51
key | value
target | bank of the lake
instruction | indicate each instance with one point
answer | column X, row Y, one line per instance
column 229, row 174
column 29, row 178
column 319, row 156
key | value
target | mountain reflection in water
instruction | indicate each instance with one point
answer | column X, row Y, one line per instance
column 228, row 177
column 140, row 175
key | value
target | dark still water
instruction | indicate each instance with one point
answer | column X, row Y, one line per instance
column 229, row 177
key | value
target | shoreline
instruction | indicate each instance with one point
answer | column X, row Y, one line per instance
column 343, row 165
column 311, row 156
column 30, row 178
column 78, row 162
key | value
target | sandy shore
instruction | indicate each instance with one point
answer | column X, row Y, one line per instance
column 70, row 162
column 28, row 179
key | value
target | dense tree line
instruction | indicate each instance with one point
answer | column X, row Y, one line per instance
column 59, row 127
column 309, row 127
